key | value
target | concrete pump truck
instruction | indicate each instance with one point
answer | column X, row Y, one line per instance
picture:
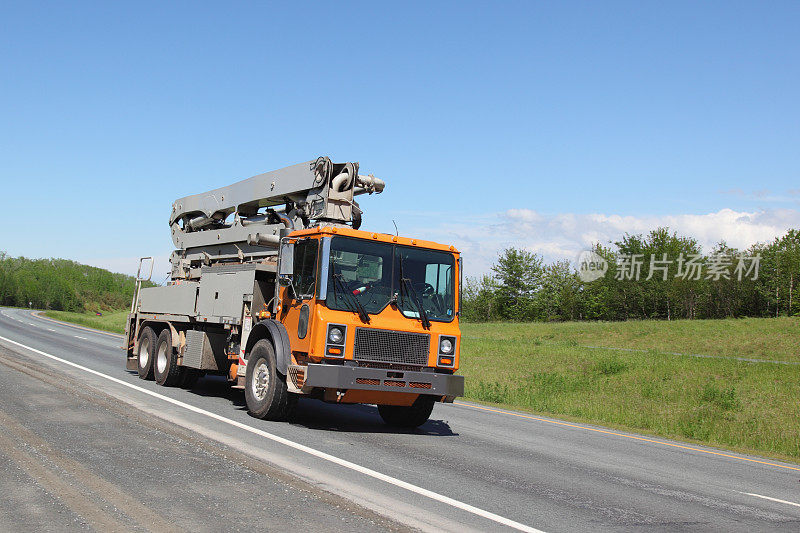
column 274, row 286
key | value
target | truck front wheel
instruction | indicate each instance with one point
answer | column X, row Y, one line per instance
column 265, row 390
column 410, row 416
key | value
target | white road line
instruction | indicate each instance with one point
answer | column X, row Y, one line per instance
column 79, row 337
column 300, row 447
column 770, row 499
column 50, row 329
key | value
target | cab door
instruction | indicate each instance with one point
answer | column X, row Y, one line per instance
column 298, row 304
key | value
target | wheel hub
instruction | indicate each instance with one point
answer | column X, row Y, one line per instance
column 261, row 381
column 144, row 352
column 161, row 359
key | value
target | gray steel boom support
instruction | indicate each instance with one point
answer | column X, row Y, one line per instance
column 244, row 221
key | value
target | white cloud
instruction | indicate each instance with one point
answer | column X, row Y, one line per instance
column 563, row 236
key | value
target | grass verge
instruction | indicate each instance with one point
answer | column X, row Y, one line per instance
column 543, row 368
column 113, row 321
column 752, row 338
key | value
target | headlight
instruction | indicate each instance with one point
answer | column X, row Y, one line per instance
column 447, row 352
column 335, row 336
column 446, row 346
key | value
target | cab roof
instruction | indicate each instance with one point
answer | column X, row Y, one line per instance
column 368, row 235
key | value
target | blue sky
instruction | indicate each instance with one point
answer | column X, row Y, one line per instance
column 542, row 125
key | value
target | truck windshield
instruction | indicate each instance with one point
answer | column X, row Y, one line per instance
column 371, row 272
column 430, row 280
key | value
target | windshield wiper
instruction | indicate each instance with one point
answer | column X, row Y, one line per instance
column 350, row 299
column 406, row 287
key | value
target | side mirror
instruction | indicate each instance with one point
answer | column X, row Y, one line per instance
column 286, row 259
column 287, row 282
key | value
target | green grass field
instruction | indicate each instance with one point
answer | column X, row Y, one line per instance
column 753, row 338
column 548, row 369
column 562, row 369
column 113, row 321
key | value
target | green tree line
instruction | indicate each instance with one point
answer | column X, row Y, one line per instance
column 62, row 285
column 675, row 280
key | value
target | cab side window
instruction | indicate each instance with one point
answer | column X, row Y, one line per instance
column 305, row 268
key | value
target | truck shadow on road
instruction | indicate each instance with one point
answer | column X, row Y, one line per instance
column 218, row 387
column 318, row 415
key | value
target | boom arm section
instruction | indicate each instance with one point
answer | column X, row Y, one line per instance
column 262, row 209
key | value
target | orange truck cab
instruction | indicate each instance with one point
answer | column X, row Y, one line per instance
column 372, row 318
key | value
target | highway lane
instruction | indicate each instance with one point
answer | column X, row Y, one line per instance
column 530, row 471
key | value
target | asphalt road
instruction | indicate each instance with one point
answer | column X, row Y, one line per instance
column 75, row 422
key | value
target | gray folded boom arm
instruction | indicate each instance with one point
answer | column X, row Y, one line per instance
column 244, row 221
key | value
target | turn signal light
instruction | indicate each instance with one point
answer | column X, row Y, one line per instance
column 445, row 361
column 336, row 351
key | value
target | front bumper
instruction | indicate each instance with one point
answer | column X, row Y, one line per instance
column 447, row 386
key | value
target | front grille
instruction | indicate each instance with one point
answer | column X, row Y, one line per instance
column 391, row 346
column 387, row 366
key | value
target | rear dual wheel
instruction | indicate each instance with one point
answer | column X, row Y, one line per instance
column 166, row 370
column 157, row 359
column 145, row 352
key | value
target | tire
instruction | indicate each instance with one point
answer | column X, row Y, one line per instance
column 265, row 389
column 145, row 352
column 165, row 365
column 407, row 417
